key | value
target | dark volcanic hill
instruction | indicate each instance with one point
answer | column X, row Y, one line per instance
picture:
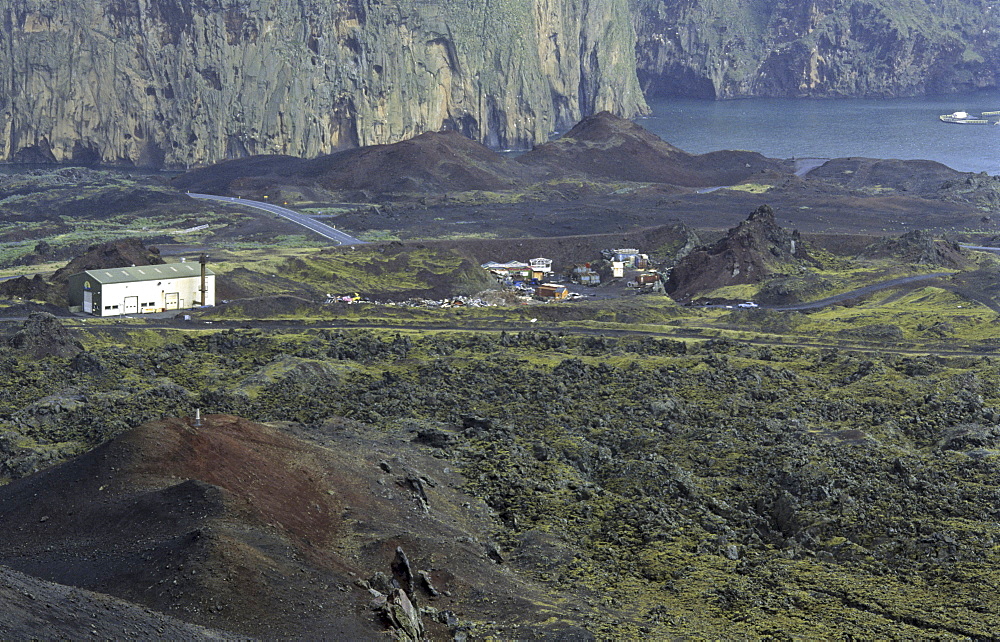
column 607, row 147
column 914, row 176
column 755, row 249
column 919, row 247
column 240, row 526
column 429, row 163
column 32, row 606
column 922, row 178
column 121, row 253
column 600, row 148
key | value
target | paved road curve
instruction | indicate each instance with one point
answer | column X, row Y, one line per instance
column 840, row 298
column 324, row 230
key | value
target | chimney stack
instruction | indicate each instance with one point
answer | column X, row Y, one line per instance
column 203, row 259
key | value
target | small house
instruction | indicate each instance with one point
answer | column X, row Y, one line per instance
column 583, row 274
column 632, row 258
column 540, row 268
column 510, row 272
column 626, row 255
column 551, row 291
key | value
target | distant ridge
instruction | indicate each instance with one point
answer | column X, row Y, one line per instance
column 600, row 148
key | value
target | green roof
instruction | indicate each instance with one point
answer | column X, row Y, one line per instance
column 147, row 273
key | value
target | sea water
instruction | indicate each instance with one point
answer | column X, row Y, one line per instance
column 901, row 128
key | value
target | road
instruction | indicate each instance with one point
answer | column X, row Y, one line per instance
column 324, row 230
column 840, row 298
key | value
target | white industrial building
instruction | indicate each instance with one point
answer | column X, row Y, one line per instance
column 142, row 289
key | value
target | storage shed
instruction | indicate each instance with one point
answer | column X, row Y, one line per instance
column 552, row 291
column 141, row 289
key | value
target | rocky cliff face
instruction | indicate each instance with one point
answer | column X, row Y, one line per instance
column 819, row 48
column 172, row 82
column 178, row 83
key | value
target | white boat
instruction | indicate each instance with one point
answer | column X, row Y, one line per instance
column 965, row 118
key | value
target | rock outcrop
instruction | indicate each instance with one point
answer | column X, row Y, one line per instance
column 173, row 83
column 42, row 335
column 918, row 247
column 755, row 249
column 741, row 48
column 122, row 253
column 22, row 287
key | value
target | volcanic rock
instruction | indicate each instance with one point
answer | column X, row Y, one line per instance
column 312, row 77
column 244, row 527
column 707, row 49
column 914, row 176
column 750, row 252
column 919, row 247
column 22, row 287
column 120, row 253
column 32, row 605
column 42, row 335
column 308, row 79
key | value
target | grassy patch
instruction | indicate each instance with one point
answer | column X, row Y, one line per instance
column 751, row 188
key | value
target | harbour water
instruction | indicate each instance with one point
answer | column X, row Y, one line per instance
column 903, row 128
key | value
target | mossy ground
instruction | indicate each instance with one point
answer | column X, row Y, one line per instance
column 714, row 473
column 711, row 488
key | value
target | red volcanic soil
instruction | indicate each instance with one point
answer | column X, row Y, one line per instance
column 244, row 527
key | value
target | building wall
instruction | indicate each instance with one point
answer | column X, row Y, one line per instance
column 141, row 297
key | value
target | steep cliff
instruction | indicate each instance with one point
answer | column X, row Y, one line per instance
column 179, row 83
column 819, row 48
column 176, row 83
